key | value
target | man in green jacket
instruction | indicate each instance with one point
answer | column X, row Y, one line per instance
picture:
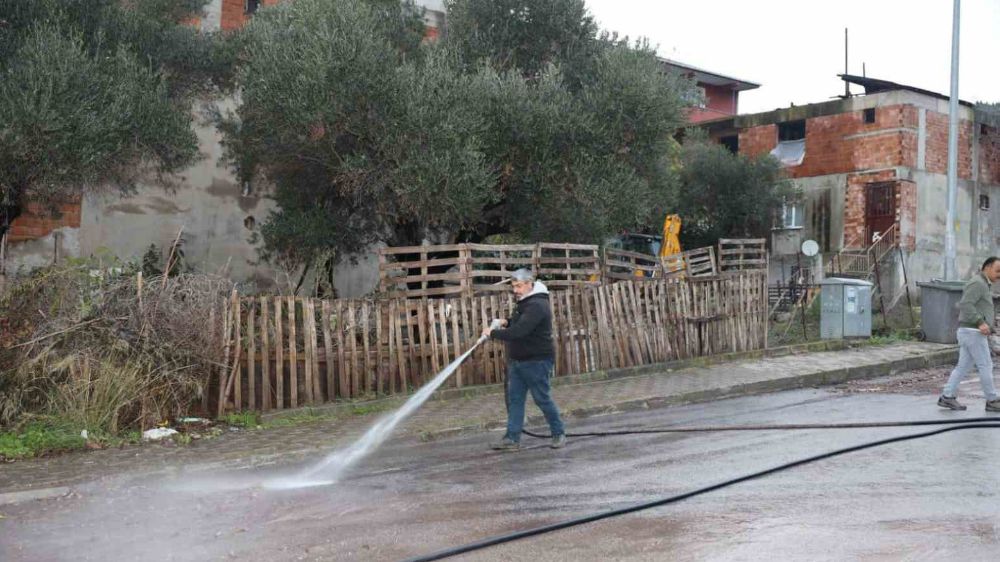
column 975, row 323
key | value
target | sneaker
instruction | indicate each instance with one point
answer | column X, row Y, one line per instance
column 954, row 404
column 559, row 441
column 506, row 444
column 993, row 405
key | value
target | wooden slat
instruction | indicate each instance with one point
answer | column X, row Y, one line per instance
column 394, row 250
column 293, row 353
column 227, row 323
column 265, row 336
column 251, row 356
column 343, row 375
column 330, row 361
column 435, row 262
column 369, row 374
column 502, row 247
column 432, row 292
column 279, row 366
column 357, row 386
column 235, row 377
column 456, row 337
column 383, row 349
column 307, row 351
column 314, row 339
column 431, row 324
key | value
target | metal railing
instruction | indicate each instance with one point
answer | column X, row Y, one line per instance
column 861, row 262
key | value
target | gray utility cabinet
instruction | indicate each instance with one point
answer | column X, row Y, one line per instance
column 846, row 308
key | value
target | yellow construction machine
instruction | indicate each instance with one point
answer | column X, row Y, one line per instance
column 667, row 244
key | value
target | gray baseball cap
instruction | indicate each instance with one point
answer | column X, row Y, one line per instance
column 522, row 275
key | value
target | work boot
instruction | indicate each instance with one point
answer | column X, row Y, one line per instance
column 506, row 444
column 559, row 441
column 953, row 404
column 993, row 405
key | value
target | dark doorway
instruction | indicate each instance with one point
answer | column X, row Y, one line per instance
column 880, row 209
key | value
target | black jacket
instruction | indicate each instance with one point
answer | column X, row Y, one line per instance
column 528, row 334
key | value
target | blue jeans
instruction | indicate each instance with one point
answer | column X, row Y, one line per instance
column 534, row 376
column 973, row 351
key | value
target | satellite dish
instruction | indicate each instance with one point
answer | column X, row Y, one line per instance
column 810, row 248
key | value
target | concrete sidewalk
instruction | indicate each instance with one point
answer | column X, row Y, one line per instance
column 460, row 410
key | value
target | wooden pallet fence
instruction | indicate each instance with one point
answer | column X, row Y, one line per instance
column 424, row 271
column 286, row 352
column 742, row 254
column 625, row 265
column 568, row 265
column 476, row 269
column 699, row 262
column 492, row 265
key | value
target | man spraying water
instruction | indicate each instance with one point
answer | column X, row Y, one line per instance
column 530, row 359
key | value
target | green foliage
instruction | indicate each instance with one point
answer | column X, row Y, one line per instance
column 40, row 437
column 723, row 195
column 241, row 419
column 523, row 36
column 93, row 93
column 154, row 261
column 542, row 130
column 579, row 165
column 357, row 137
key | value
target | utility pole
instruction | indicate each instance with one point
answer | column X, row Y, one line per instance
column 950, row 269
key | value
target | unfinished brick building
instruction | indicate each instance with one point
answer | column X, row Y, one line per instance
column 873, row 167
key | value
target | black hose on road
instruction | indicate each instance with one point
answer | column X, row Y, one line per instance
column 500, row 539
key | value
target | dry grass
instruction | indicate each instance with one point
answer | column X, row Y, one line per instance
column 87, row 345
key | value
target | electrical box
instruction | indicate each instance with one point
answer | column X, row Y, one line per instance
column 846, row 308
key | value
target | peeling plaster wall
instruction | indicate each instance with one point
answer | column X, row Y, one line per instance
column 205, row 200
column 40, row 252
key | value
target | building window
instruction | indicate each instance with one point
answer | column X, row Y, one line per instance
column 792, row 130
column 251, row 6
column 792, row 216
column 791, row 149
column 870, row 115
column 695, row 97
column 731, row 142
column 984, row 202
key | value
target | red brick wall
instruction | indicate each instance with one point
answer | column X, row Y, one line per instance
column 937, row 145
column 854, row 204
column 756, row 141
column 989, row 154
column 234, row 15
column 720, row 99
column 829, row 151
column 38, row 221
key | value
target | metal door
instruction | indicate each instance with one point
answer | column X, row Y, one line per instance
column 880, row 209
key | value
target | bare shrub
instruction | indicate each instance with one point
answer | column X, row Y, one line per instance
column 107, row 348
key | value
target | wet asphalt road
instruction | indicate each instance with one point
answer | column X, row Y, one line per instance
column 932, row 499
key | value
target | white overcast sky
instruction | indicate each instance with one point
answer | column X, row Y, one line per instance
column 795, row 48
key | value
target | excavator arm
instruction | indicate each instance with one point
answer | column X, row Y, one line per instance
column 671, row 236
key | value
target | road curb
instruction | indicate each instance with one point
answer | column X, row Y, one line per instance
column 582, row 378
